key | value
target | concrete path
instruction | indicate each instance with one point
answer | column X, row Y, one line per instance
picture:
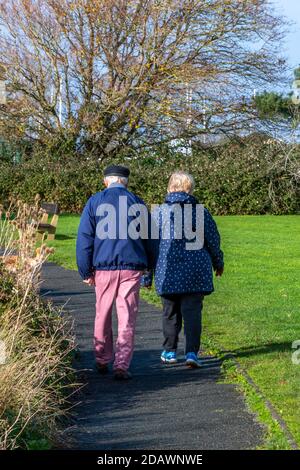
column 163, row 407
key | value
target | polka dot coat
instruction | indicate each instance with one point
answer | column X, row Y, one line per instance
column 179, row 270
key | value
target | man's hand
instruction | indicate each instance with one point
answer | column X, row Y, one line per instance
column 219, row 271
column 90, row 281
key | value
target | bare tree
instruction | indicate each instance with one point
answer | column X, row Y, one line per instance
column 112, row 74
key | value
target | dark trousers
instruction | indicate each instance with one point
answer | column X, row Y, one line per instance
column 178, row 308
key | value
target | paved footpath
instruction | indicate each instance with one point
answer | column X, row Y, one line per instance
column 163, row 407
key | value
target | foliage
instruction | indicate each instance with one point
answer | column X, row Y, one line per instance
column 274, row 105
column 297, row 73
column 110, row 74
column 14, row 150
column 251, row 176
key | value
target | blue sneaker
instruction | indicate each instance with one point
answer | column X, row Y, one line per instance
column 168, row 357
column 191, row 360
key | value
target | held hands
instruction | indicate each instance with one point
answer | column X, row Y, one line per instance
column 90, row 281
column 146, row 279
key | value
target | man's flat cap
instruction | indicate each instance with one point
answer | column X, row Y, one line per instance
column 117, row 170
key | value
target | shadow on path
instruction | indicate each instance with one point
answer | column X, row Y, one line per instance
column 255, row 350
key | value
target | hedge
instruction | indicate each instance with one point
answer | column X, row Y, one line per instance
column 242, row 178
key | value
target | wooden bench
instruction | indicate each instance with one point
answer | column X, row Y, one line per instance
column 46, row 226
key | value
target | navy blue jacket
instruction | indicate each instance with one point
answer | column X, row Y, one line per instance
column 179, row 270
column 95, row 253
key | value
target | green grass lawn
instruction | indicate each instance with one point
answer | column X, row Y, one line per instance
column 255, row 310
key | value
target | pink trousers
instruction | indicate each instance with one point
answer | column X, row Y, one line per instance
column 121, row 287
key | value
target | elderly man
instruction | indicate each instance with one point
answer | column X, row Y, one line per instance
column 113, row 261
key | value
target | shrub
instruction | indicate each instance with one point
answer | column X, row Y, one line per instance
column 251, row 177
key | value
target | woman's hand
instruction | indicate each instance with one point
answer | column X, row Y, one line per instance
column 219, row 271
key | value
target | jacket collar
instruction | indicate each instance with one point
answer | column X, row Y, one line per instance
column 180, row 197
column 116, row 185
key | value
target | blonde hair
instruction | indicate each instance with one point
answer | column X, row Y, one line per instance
column 181, row 181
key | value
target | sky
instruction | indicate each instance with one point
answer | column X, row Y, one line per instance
column 291, row 9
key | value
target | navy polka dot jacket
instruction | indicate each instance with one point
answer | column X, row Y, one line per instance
column 179, row 270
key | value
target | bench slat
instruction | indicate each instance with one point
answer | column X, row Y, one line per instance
column 50, row 208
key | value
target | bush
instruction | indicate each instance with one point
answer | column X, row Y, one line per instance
column 255, row 176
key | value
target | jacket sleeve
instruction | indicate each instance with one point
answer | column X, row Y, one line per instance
column 85, row 242
column 151, row 241
column 147, row 279
column 212, row 240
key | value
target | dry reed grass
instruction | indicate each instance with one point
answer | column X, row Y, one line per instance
column 39, row 343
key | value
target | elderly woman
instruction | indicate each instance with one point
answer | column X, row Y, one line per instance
column 183, row 274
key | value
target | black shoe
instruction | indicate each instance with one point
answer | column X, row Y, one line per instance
column 121, row 374
column 102, row 368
